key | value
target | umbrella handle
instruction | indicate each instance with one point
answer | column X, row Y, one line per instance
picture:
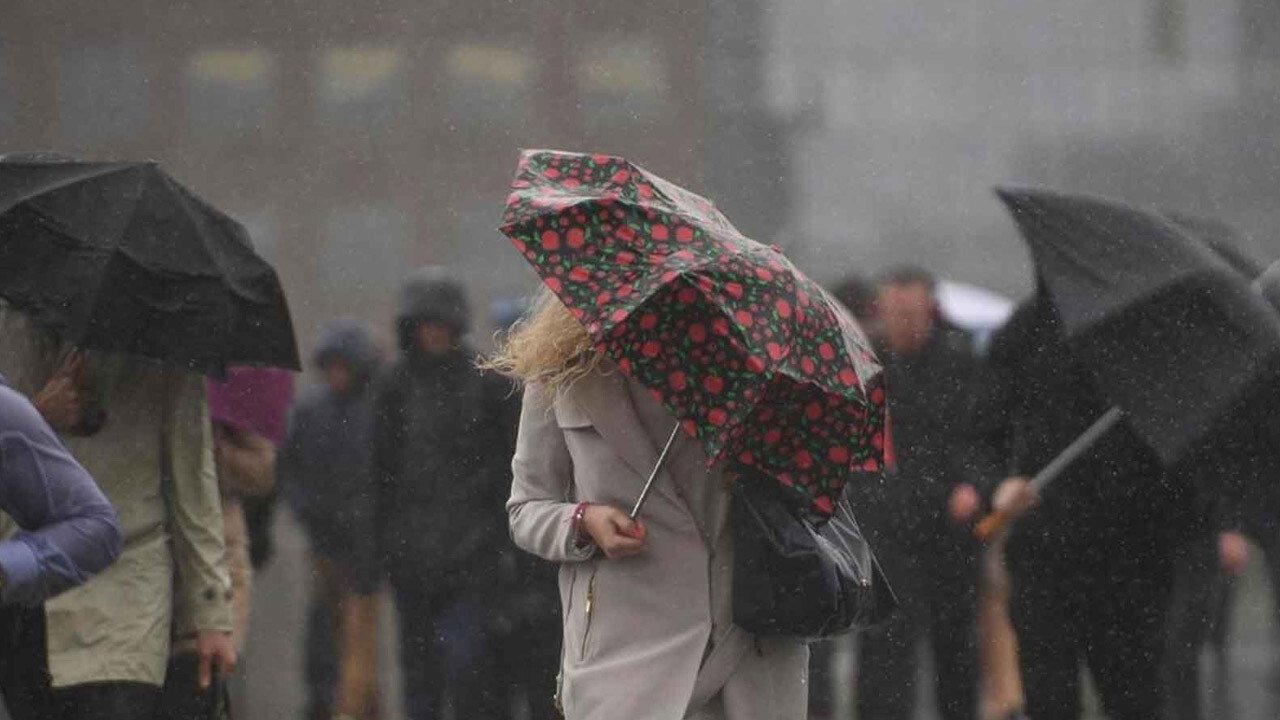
column 657, row 468
column 991, row 524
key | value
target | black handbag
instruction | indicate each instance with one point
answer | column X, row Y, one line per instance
column 181, row 697
column 794, row 578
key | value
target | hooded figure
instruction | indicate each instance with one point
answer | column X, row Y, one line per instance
column 323, row 468
column 323, row 471
column 443, row 433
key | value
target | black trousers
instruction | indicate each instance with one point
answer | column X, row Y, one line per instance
column 1199, row 614
column 27, row 685
column 525, row 663
column 937, row 586
column 1104, row 606
column 444, row 652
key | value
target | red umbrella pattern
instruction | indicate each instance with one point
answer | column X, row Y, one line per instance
column 757, row 362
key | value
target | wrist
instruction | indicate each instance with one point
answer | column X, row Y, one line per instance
column 577, row 526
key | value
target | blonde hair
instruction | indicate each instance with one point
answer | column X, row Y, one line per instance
column 548, row 347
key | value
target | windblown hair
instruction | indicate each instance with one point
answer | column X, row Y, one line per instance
column 548, row 347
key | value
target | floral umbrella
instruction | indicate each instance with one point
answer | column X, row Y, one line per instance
column 770, row 374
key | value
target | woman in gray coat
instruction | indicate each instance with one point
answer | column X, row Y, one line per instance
column 648, row 631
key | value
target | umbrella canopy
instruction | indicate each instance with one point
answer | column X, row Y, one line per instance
column 123, row 258
column 752, row 357
column 1171, row 334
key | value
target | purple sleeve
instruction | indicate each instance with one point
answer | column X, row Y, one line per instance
column 69, row 530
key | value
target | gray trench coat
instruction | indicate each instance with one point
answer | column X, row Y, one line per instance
column 651, row 636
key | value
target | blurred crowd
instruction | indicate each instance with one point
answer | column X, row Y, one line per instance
column 398, row 469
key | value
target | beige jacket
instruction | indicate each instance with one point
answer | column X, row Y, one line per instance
column 647, row 637
column 154, row 462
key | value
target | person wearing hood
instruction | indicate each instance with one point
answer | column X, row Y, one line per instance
column 323, row 472
column 443, row 433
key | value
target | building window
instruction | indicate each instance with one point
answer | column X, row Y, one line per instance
column 8, row 94
column 489, row 86
column 1168, row 29
column 360, row 86
column 102, row 94
column 622, row 78
column 231, row 91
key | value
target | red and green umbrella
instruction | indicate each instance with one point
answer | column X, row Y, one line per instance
column 757, row 362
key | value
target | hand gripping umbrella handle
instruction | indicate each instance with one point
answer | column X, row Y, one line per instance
column 992, row 523
column 657, row 468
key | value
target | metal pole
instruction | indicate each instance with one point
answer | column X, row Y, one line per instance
column 992, row 523
column 657, row 468
column 1077, row 448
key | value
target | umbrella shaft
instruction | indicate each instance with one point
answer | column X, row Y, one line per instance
column 657, row 468
column 1077, row 448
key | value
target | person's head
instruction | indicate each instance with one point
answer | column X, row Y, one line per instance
column 908, row 305
column 548, row 347
column 434, row 314
column 347, row 357
column 434, row 338
column 338, row 376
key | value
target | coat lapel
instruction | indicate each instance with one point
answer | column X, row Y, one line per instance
column 605, row 399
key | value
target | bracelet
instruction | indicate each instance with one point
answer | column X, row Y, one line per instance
column 580, row 539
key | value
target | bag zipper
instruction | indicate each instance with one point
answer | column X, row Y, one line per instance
column 589, row 609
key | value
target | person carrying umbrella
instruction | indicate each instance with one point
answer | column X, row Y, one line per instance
column 120, row 265
column 1136, row 350
column 664, row 340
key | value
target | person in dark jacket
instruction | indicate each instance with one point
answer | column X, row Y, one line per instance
column 1090, row 562
column 442, row 439
column 323, row 470
column 917, row 518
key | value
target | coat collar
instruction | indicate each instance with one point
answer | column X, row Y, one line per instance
column 605, row 398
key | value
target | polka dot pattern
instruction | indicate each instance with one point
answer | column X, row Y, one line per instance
column 759, row 364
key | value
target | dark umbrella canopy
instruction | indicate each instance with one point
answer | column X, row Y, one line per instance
column 1171, row 334
column 756, row 361
column 123, row 258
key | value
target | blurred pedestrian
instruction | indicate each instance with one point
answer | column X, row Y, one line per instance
column 1091, row 566
column 918, row 517
column 647, row 628
column 324, row 471
column 69, row 531
column 100, row 651
column 439, row 429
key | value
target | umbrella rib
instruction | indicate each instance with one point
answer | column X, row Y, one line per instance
column 107, row 169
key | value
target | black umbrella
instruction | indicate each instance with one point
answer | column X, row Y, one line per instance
column 1173, row 337
column 123, row 258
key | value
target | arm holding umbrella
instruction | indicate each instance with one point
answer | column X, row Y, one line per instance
column 544, row 519
column 1012, row 500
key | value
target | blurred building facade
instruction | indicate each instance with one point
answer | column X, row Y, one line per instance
column 358, row 140
column 908, row 112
